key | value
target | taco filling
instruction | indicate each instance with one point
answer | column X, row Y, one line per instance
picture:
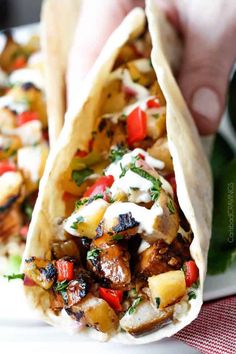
column 120, row 260
column 23, row 145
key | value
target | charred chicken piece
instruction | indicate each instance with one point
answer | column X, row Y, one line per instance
column 65, row 248
column 42, row 272
column 78, row 288
column 110, row 262
column 161, row 257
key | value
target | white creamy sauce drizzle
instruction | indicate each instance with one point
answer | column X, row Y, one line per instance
column 84, row 212
column 143, row 246
column 143, row 65
column 27, row 75
column 18, row 106
column 30, row 133
column 124, row 75
column 145, row 217
column 131, row 180
column 30, row 160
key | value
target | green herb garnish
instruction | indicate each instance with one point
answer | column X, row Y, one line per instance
column 123, row 170
column 84, row 201
column 79, row 220
column 14, row 276
column 196, row 284
column 156, row 115
column 117, row 153
column 132, row 293
column 158, row 301
column 156, row 188
column 117, row 237
column 191, row 295
column 136, row 302
column 92, row 255
column 61, row 285
column 80, row 176
column 170, row 206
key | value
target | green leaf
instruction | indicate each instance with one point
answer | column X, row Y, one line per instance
column 191, row 295
column 123, row 170
column 117, row 153
column 156, row 183
column 14, row 276
column 93, row 254
column 61, row 285
column 222, row 252
column 136, row 302
column 221, row 154
column 170, row 206
column 80, row 176
column 232, row 101
column 158, row 301
column 117, row 237
column 79, row 220
column 14, row 263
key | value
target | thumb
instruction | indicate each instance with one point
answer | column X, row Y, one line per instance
column 208, row 59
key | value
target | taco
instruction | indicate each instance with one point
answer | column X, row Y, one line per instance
column 118, row 242
column 23, row 142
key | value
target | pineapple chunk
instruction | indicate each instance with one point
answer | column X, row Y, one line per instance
column 85, row 220
column 167, row 288
column 98, row 314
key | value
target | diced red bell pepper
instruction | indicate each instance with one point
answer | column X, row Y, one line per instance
column 28, row 281
column 24, row 231
column 6, row 166
column 26, row 117
column 100, row 186
column 191, row 273
column 19, row 63
column 112, row 297
column 81, row 153
column 65, row 270
column 136, row 126
column 153, row 103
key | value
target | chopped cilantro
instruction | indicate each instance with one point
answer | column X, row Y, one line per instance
column 123, row 170
column 136, row 79
column 170, row 206
column 196, row 285
column 14, row 276
column 27, row 209
column 93, row 254
column 156, row 188
column 136, row 302
column 84, row 201
column 79, row 220
column 158, row 301
column 132, row 293
column 80, row 176
column 117, row 237
column 134, row 188
column 61, row 285
column 117, row 153
column 156, row 115
column 191, row 295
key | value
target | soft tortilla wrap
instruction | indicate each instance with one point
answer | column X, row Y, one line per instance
column 58, row 22
column 190, row 165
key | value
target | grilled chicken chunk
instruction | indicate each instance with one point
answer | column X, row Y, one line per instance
column 41, row 271
column 111, row 262
column 78, row 288
column 10, row 186
column 96, row 313
column 162, row 257
column 145, row 318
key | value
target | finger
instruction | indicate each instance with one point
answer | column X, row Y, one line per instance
column 208, row 59
column 98, row 19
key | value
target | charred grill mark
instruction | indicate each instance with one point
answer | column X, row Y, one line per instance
column 77, row 315
column 28, row 86
column 126, row 221
column 49, row 272
column 8, row 203
column 29, row 260
column 78, row 288
column 99, row 230
column 102, row 125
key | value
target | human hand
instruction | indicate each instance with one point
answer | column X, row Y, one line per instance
column 208, row 29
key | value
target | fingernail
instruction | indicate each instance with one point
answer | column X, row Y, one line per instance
column 206, row 103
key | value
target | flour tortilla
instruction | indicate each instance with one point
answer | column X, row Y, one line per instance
column 192, row 171
column 58, row 22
